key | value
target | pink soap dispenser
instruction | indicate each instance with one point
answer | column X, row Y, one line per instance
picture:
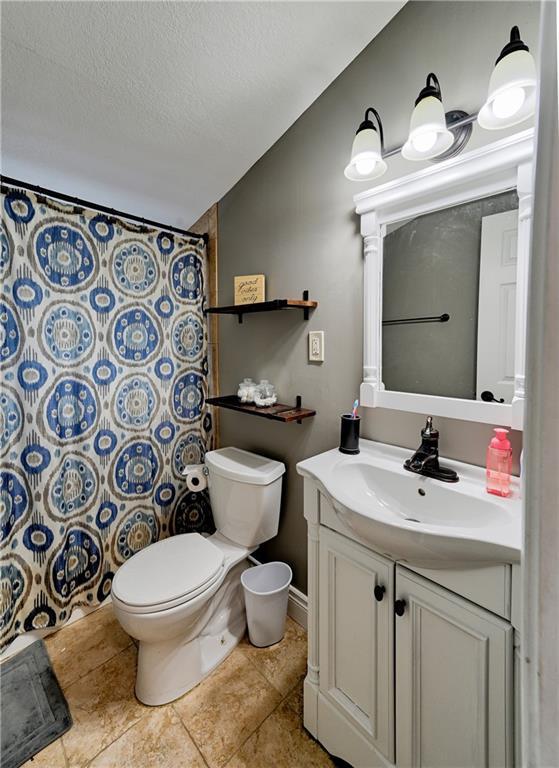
column 499, row 464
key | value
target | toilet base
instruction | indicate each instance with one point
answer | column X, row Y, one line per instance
column 167, row 669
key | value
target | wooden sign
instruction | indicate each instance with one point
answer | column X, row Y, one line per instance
column 250, row 289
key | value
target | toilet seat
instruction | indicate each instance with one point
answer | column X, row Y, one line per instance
column 168, row 573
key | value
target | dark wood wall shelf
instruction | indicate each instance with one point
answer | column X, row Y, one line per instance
column 266, row 306
column 277, row 412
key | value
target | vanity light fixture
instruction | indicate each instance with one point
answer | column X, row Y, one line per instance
column 429, row 135
column 512, row 87
column 366, row 153
column 436, row 135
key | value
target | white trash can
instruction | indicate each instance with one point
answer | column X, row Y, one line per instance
column 266, row 590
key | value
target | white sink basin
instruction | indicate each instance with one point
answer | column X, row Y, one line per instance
column 415, row 519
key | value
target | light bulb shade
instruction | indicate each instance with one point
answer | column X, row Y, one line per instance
column 428, row 135
column 366, row 160
column 512, row 92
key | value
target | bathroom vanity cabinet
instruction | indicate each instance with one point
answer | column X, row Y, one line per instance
column 407, row 666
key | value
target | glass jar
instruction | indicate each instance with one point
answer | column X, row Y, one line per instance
column 265, row 394
column 246, row 390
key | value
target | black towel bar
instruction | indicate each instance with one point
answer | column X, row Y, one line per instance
column 444, row 318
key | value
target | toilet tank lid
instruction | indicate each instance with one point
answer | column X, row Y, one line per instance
column 244, row 466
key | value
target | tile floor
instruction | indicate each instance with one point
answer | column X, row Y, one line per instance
column 246, row 714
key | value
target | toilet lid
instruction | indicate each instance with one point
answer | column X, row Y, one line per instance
column 168, row 571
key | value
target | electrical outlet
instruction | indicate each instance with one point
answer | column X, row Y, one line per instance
column 316, row 346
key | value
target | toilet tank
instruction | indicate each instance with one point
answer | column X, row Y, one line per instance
column 245, row 493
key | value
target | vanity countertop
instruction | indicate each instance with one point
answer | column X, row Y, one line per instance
column 417, row 519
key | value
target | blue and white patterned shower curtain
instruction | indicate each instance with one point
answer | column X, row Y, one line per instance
column 103, row 355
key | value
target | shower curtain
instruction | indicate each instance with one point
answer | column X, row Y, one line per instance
column 104, row 376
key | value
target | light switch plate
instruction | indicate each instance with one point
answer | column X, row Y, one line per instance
column 316, row 346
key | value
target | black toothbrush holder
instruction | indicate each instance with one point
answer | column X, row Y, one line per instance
column 349, row 435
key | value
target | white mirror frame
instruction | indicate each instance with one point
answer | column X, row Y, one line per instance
column 489, row 170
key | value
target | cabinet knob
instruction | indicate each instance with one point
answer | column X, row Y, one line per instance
column 400, row 607
column 379, row 591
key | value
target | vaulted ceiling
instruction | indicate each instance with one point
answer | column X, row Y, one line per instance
column 159, row 108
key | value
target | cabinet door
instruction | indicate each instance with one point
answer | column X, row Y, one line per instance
column 356, row 637
column 454, row 703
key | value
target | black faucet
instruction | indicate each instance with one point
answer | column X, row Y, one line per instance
column 425, row 461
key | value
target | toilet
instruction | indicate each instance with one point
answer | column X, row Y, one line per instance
column 181, row 597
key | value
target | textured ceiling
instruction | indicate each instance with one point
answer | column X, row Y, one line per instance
column 159, row 108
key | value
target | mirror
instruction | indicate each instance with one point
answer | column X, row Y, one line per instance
column 431, row 250
column 449, row 282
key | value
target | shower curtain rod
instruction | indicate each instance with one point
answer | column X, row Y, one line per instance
column 101, row 208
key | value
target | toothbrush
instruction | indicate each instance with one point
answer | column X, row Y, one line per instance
column 354, row 409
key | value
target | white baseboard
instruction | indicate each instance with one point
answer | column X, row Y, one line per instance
column 297, row 602
column 297, row 606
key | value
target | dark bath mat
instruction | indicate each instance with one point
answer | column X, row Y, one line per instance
column 33, row 710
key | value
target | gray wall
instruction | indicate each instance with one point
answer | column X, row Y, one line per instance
column 431, row 266
column 291, row 217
